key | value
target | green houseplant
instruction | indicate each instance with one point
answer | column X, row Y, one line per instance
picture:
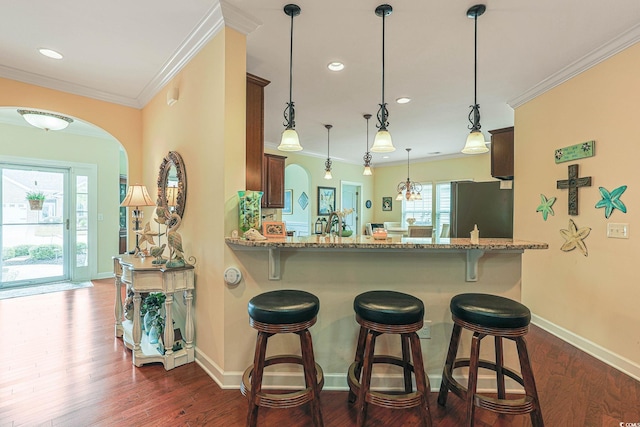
column 153, row 318
column 35, row 199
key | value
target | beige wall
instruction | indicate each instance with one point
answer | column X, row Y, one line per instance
column 206, row 127
column 594, row 297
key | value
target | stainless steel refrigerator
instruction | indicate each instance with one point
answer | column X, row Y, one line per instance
column 484, row 204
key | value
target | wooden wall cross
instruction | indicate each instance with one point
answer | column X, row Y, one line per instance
column 573, row 183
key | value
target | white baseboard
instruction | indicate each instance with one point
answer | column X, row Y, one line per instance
column 333, row 381
column 612, row 359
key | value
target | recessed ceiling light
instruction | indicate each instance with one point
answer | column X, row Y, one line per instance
column 385, row 157
column 50, row 53
column 335, row 66
column 403, row 100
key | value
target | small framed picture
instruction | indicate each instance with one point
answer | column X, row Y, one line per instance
column 326, row 200
column 274, row 229
column 288, row 202
column 386, row 204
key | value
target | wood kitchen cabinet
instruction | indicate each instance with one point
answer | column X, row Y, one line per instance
column 273, row 181
column 502, row 153
column 255, row 131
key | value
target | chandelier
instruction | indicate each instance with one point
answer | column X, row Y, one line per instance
column 411, row 189
column 382, row 142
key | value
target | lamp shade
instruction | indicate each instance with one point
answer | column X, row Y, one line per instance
column 44, row 120
column 327, row 174
column 289, row 141
column 475, row 144
column 367, row 171
column 382, row 142
column 137, row 195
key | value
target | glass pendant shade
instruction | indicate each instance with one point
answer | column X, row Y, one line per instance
column 327, row 174
column 399, row 197
column 367, row 171
column 382, row 142
column 289, row 141
column 475, row 144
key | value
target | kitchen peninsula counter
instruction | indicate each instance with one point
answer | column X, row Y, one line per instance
column 473, row 252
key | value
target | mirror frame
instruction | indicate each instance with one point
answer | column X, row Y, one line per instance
column 172, row 159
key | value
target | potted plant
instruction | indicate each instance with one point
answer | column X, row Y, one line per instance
column 35, row 199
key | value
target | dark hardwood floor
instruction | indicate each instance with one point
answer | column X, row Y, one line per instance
column 60, row 365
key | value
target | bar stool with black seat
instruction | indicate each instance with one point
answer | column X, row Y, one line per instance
column 278, row 312
column 388, row 312
column 490, row 315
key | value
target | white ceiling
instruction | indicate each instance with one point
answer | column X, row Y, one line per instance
column 125, row 51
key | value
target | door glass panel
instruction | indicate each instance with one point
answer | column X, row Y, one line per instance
column 82, row 221
column 33, row 234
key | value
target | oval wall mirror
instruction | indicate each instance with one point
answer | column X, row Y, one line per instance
column 172, row 183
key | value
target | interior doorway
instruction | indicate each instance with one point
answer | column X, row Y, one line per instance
column 297, row 212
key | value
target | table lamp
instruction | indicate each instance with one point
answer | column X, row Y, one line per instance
column 137, row 196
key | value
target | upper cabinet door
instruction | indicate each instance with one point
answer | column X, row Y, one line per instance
column 273, row 181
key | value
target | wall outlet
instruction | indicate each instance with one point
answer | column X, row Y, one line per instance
column 425, row 332
column 617, row 230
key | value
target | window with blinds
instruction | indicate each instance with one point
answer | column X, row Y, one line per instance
column 433, row 209
column 419, row 209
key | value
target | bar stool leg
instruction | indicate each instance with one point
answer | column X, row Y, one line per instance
column 362, row 336
column 406, row 362
column 473, row 376
column 500, row 368
column 310, row 376
column 365, row 383
column 448, row 365
column 529, row 381
column 256, row 377
column 421, row 379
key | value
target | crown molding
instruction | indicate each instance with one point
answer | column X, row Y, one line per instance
column 607, row 50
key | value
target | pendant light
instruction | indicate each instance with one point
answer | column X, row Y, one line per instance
column 290, row 140
column 411, row 189
column 327, row 164
column 475, row 141
column 367, row 154
column 382, row 142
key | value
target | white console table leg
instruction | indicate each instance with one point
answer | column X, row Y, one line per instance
column 118, row 307
column 136, row 332
column 188, row 327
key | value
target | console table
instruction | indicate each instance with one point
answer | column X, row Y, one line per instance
column 140, row 275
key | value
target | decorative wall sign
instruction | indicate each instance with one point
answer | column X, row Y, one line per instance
column 611, row 201
column 546, row 206
column 573, row 183
column 575, row 152
column 303, row 200
column 387, row 204
column 574, row 238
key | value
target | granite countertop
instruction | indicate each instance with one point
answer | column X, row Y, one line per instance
column 368, row 242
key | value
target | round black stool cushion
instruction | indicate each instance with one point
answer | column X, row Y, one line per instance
column 490, row 310
column 284, row 307
column 389, row 307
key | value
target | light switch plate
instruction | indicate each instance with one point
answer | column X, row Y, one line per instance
column 617, row 230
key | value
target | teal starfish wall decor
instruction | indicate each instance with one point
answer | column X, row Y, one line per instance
column 546, row 206
column 574, row 238
column 611, row 201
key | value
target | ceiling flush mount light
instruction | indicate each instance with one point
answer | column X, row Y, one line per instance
column 382, row 142
column 290, row 140
column 335, row 66
column 327, row 164
column 44, row 120
column 475, row 141
column 367, row 154
column 50, row 53
column 411, row 189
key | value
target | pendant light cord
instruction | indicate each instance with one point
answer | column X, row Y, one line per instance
column 475, row 60
column 291, row 66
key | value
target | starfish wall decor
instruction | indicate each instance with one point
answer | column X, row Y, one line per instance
column 611, row 200
column 545, row 206
column 574, row 238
